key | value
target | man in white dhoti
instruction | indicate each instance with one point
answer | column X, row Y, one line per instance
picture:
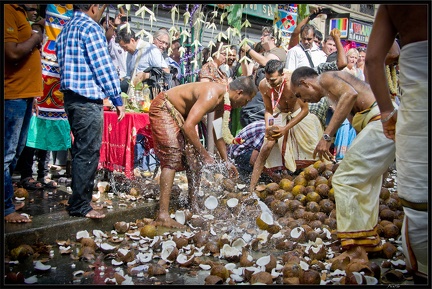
column 358, row 179
column 291, row 131
column 408, row 124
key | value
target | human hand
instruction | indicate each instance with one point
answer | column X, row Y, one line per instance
column 117, row 19
column 389, row 127
column 315, row 13
column 120, row 112
column 335, row 33
column 232, row 170
column 245, row 48
column 323, row 150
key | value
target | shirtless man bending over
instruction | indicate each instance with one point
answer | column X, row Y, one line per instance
column 173, row 117
column 357, row 181
column 289, row 125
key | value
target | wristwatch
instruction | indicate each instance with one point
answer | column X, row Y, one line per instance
column 327, row 137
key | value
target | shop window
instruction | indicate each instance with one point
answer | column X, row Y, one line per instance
column 367, row 9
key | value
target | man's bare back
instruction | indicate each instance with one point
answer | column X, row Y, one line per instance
column 337, row 83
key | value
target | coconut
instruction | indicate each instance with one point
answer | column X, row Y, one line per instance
column 89, row 242
column 298, row 235
column 228, row 185
column 313, row 197
column 320, row 216
column 292, row 269
column 213, row 280
column 82, row 234
column 279, row 208
column 121, row 227
column 21, row 252
column 232, row 202
column 384, row 193
column 220, row 271
column 269, row 199
column 386, row 214
column 312, row 235
column 148, row 231
column 310, row 277
column 268, row 262
column 272, row 187
column 156, row 269
column 284, row 245
column 391, row 231
column 180, row 242
column 200, row 238
column 298, row 189
column 291, row 280
column 264, row 220
column 21, row 193
column 286, row 184
column 199, row 222
column 299, row 213
column 310, row 173
column 308, row 216
column 389, row 250
column 211, row 203
column 245, row 261
column 331, row 195
column 301, row 198
column 261, row 278
column 320, row 166
column 309, row 189
column 300, row 180
column 317, row 252
column 281, row 195
column 331, row 222
column 312, row 206
column 326, row 206
column 327, row 174
column 293, row 205
column 322, row 189
column 398, row 223
column 315, row 224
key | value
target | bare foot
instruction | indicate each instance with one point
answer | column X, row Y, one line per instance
column 96, row 206
column 95, row 215
column 19, row 206
column 17, row 218
column 167, row 222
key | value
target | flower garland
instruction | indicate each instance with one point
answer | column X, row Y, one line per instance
column 392, row 79
column 226, row 133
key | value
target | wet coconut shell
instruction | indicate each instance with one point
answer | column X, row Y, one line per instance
column 313, row 207
column 376, row 269
column 310, row 277
column 244, row 261
column 326, row 206
column 21, row 252
column 261, row 277
column 387, row 214
column 156, row 269
column 228, row 185
column 89, row 242
column 220, row 270
column 322, row 189
column 21, row 193
column 384, row 193
column 213, row 280
column 292, row 269
column 389, row 250
column 391, row 231
column 310, row 173
column 121, row 227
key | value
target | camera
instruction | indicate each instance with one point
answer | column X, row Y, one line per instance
column 125, row 18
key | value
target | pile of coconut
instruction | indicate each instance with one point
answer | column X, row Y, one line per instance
column 282, row 233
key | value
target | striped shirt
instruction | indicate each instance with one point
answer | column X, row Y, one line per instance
column 253, row 136
column 86, row 67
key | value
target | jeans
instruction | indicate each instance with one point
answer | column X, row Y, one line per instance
column 144, row 160
column 86, row 121
column 16, row 124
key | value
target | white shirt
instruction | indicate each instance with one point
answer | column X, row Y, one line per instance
column 118, row 55
column 296, row 57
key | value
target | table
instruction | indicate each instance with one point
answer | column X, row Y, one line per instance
column 118, row 141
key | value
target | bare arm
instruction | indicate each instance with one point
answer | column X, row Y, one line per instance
column 295, row 36
column 341, row 55
column 258, row 57
column 347, row 97
column 381, row 39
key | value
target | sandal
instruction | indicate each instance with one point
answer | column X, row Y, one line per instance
column 48, row 183
column 31, row 184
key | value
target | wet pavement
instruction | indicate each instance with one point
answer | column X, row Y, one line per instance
column 51, row 226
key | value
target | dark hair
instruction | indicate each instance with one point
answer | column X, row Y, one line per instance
column 244, row 83
column 122, row 34
column 318, row 35
column 205, row 55
column 327, row 38
column 82, row 7
column 103, row 19
column 258, row 47
column 301, row 73
column 215, row 48
column 271, row 33
column 307, row 27
column 274, row 65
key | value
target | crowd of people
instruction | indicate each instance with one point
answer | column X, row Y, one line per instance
column 287, row 107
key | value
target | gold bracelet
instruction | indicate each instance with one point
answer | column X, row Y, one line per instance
column 389, row 116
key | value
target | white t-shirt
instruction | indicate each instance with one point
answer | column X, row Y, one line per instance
column 118, row 55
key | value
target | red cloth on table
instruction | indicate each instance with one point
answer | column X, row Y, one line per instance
column 118, row 141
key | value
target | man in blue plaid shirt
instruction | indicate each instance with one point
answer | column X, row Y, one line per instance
column 245, row 154
column 87, row 76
